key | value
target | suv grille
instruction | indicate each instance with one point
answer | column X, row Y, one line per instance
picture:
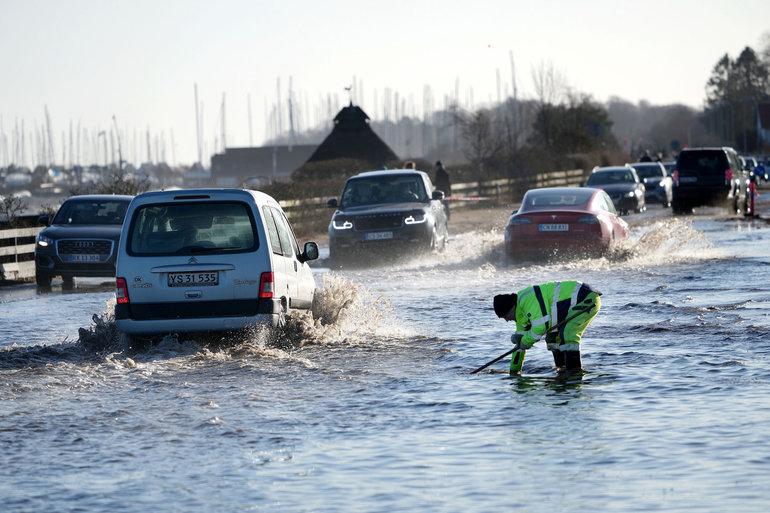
column 378, row 222
column 84, row 247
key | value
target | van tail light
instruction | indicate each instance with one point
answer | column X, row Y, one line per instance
column 266, row 286
column 728, row 176
column 121, row 291
column 675, row 176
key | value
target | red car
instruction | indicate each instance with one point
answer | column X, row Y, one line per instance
column 558, row 220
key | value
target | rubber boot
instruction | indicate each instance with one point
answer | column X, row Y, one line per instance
column 558, row 358
column 572, row 360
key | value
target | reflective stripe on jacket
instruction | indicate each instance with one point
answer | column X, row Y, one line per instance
column 536, row 313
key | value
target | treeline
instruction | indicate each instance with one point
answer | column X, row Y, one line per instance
column 734, row 92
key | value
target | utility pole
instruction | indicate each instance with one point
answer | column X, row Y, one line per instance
column 251, row 131
column 149, row 147
column 173, row 148
column 291, row 113
column 103, row 135
column 50, row 136
column 224, row 124
column 198, row 119
column 120, row 148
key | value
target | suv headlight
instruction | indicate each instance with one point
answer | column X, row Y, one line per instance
column 342, row 224
column 415, row 218
column 44, row 241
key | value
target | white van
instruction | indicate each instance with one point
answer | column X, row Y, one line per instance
column 208, row 260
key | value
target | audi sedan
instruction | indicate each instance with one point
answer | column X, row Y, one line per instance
column 80, row 240
column 564, row 220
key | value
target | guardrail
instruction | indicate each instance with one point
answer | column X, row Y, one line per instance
column 17, row 245
column 17, row 253
column 309, row 215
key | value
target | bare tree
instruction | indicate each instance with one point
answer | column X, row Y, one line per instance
column 481, row 142
column 549, row 83
column 10, row 208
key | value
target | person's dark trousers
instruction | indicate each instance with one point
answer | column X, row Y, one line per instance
column 568, row 360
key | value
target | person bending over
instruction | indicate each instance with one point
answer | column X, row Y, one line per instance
column 541, row 310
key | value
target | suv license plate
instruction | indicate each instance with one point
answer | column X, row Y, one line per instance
column 553, row 227
column 378, row 236
column 79, row 259
column 688, row 179
column 193, row 279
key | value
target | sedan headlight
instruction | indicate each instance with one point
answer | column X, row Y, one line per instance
column 44, row 241
column 342, row 224
column 631, row 194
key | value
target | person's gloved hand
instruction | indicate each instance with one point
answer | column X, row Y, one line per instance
column 516, row 341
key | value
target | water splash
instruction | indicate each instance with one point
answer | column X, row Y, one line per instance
column 343, row 313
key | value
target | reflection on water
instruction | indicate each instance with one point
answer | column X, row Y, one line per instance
column 368, row 404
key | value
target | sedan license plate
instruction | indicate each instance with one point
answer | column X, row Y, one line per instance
column 82, row 258
column 378, row 236
column 553, row 227
column 204, row 278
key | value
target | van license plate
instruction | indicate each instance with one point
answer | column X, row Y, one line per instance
column 688, row 179
column 190, row 279
column 553, row 227
column 378, row 236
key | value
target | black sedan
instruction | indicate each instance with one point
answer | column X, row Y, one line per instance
column 80, row 240
column 395, row 211
column 623, row 186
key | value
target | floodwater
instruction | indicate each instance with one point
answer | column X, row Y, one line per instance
column 372, row 408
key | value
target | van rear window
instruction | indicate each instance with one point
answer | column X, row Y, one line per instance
column 192, row 229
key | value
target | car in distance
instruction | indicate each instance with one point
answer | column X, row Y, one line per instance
column 209, row 260
column 80, row 240
column 710, row 177
column 657, row 184
column 557, row 220
column 395, row 210
column 622, row 185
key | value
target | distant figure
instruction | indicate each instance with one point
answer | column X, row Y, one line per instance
column 442, row 183
column 559, row 310
column 646, row 157
column 409, row 165
column 659, row 157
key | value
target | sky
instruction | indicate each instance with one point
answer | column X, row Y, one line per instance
column 88, row 60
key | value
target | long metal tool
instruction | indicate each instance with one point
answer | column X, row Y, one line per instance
column 521, row 356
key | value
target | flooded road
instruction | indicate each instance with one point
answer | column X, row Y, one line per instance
column 374, row 410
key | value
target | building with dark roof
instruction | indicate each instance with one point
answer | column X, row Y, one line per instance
column 257, row 165
column 353, row 138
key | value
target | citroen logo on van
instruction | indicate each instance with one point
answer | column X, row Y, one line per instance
column 192, row 260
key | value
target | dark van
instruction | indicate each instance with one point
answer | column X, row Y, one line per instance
column 709, row 177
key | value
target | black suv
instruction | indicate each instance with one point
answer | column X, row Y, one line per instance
column 81, row 240
column 710, row 177
column 387, row 210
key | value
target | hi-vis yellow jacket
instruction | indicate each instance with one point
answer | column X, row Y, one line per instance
column 536, row 308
